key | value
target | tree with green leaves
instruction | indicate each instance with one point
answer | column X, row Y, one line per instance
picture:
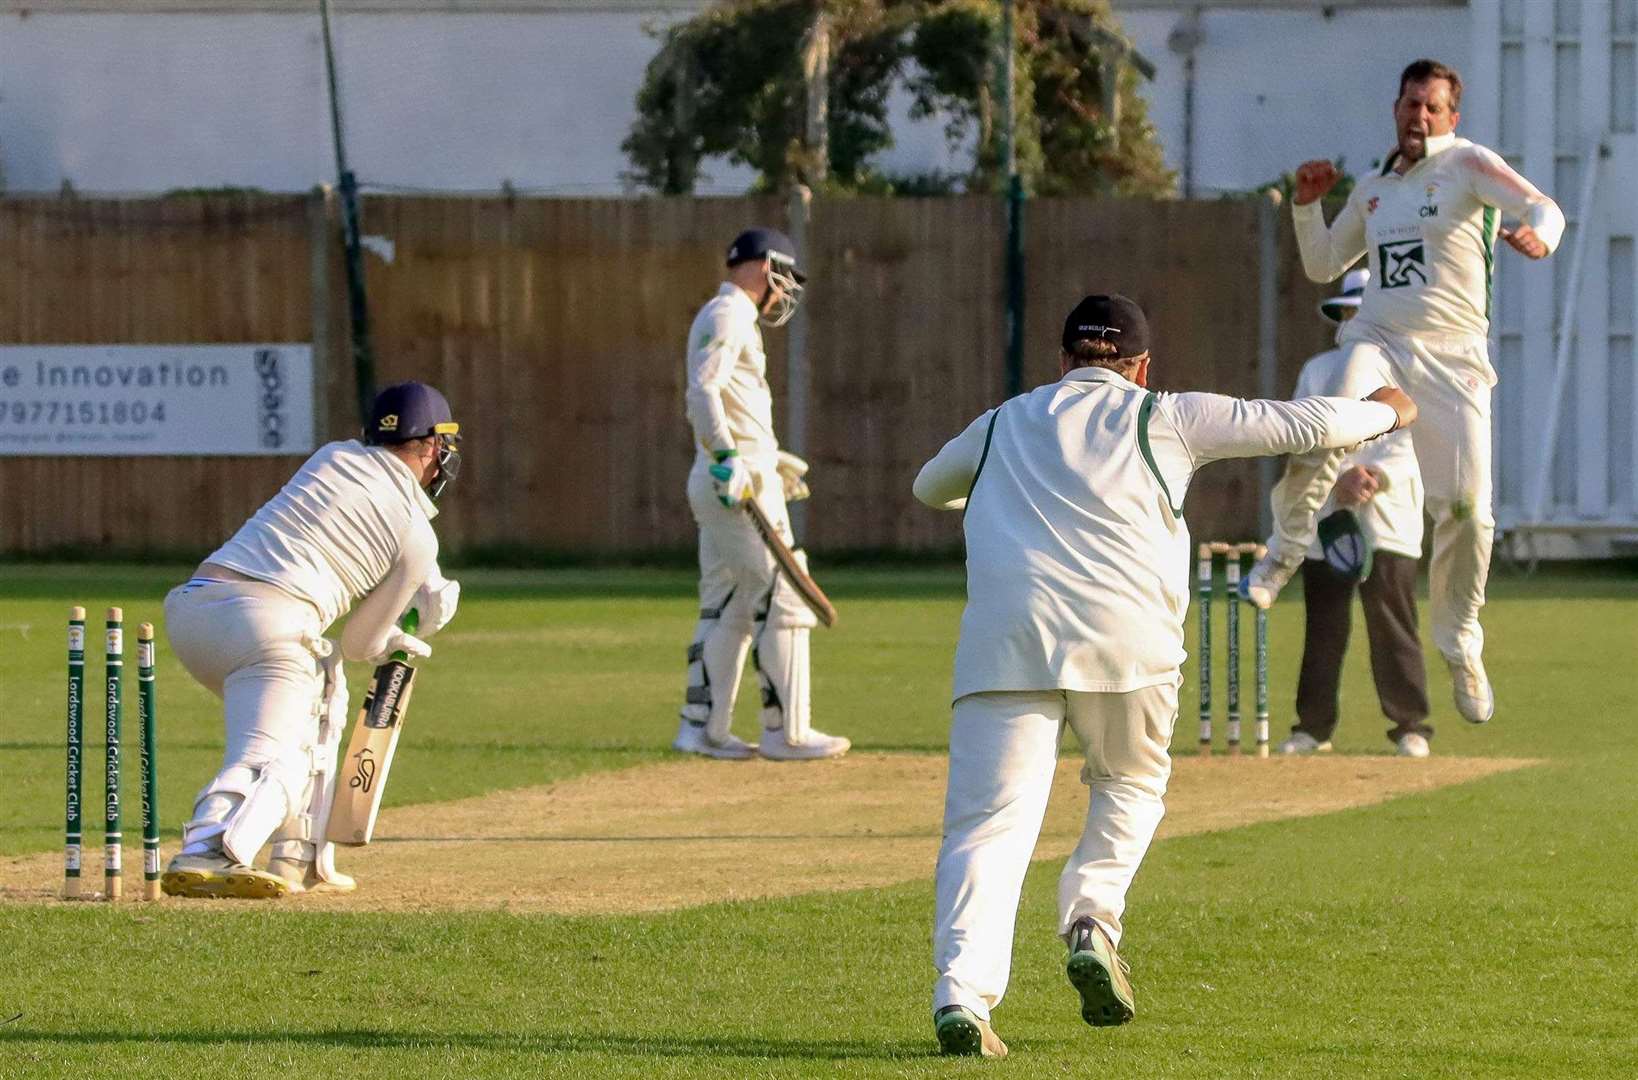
column 733, row 82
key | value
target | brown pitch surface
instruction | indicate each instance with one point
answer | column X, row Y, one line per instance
column 689, row 832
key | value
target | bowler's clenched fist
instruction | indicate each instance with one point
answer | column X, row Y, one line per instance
column 1314, row 180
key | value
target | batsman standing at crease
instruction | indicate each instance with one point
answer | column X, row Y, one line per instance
column 354, row 525
column 745, row 603
column 1427, row 225
column 1078, row 564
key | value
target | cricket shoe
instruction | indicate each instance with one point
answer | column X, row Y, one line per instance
column 302, row 876
column 1098, row 973
column 1301, row 742
column 815, row 744
column 1412, row 744
column 217, row 876
column 962, row 1034
column 1475, row 700
column 692, row 739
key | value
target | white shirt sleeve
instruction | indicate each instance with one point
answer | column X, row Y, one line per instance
column 1328, row 251
column 711, row 358
column 1495, row 183
column 372, row 621
column 1214, row 426
column 944, row 482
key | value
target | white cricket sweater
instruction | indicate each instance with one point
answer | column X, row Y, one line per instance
column 1078, row 558
column 352, row 516
column 726, row 395
column 1430, row 237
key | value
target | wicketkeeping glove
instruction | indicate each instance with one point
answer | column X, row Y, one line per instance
column 436, row 600
column 731, row 478
column 791, row 471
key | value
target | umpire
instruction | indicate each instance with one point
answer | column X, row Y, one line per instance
column 1370, row 538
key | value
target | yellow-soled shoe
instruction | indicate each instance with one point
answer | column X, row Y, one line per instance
column 219, row 877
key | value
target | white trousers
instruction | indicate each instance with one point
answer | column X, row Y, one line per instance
column 1003, row 754
column 1450, row 381
column 746, row 607
column 251, row 645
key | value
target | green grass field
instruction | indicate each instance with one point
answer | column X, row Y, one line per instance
column 1486, row 930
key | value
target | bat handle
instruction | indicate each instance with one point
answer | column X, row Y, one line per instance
column 409, row 623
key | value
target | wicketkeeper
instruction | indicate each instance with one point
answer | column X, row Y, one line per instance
column 1077, row 587
column 746, row 605
column 353, row 526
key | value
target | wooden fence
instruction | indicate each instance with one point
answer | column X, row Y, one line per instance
column 556, row 329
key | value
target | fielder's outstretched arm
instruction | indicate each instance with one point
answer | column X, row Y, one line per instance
column 1201, row 428
column 944, row 482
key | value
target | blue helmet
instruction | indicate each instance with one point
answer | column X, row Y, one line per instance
column 414, row 410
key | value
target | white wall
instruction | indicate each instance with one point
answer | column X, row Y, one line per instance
column 1274, row 88
column 137, row 103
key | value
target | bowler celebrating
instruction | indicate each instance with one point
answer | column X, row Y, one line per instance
column 1077, row 587
column 1427, row 224
column 354, row 525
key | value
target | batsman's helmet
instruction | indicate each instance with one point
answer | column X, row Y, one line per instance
column 776, row 248
column 414, row 410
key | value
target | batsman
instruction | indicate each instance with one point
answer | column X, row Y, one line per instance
column 747, row 604
column 353, row 526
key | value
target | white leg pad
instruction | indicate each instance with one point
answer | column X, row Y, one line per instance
column 242, row 806
column 781, row 658
column 715, row 660
column 300, row 837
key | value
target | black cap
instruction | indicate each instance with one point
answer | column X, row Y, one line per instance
column 760, row 244
column 1110, row 318
column 408, row 410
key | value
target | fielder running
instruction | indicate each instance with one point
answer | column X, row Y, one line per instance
column 1428, row 226
column 745, row 603
column 1077, row 587
column 354, row 525
column 1370, row 538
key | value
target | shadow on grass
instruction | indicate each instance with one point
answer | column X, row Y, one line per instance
column 545, row 1042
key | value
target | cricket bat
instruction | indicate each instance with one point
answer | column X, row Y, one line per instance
column 809, row 589
column 363, row 776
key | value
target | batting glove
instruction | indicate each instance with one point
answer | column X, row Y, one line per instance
column 731, row 478
column 399, row 641
column 791, row 471
column 435, row 600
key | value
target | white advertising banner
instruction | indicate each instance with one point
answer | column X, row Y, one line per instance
column 69, row 400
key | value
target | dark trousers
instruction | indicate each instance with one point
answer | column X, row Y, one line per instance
column 1389, row 598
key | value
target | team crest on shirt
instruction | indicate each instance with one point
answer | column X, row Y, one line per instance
column 1370, row 207
column 1431, row 209
column 1402, row 263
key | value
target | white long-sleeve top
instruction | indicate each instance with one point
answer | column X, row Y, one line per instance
column 1430, row 238
column 728, row 401
column 353, row 522
column 1392, row 518
column 1077, row 553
